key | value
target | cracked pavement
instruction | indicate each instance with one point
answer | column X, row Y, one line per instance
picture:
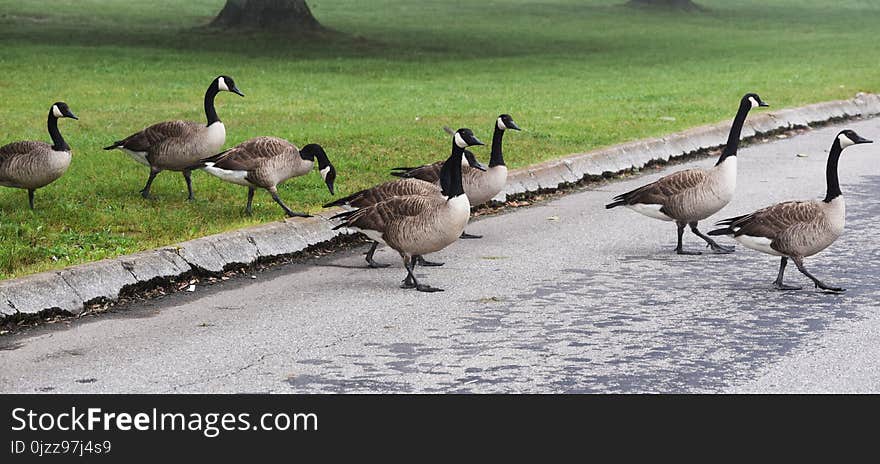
column 563, row 296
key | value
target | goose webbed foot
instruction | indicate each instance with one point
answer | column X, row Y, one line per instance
column 799, row 262
column 411, row 281
column 781, row 286
column 145, row 194
column 421, row 261
column 721, row 249
column 427, row 288
column 828, row 288
column 287, row 210
column 681, row 251
column 466, row 235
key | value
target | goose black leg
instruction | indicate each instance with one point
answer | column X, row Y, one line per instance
column 145, row 192
column 778, row 282
column 287, row 210
column 31, row 198
column 711, row 243
column 467, row 235
column 412, row 282
column 249, row 209
column 421, row 261
column 187, row 176
column 799, row 262
column 679, row 249
column 372, row 263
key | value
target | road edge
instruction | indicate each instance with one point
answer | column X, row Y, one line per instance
column 71, row 290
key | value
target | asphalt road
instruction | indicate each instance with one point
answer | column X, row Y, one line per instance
column 563, row 296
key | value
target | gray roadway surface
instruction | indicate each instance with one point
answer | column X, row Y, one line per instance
column 563, row 296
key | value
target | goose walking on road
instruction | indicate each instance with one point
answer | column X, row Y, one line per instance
column 265, row 162
column 797, row 229
column 692, row 195
column 416, row 225
column 31, row 165
column 396, row 188
column 177, row 145
column 480, row 185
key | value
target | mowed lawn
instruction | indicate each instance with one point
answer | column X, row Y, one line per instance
column 575, row 74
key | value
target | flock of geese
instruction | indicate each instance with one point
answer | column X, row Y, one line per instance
column 429, row 206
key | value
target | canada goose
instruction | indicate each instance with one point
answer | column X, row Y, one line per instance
column 32, row 164
column 416, row 225
column 265, row 162
column 395, row 188
column 177, row 145
column 479, row 185
column 797, row 229
column 692, row 195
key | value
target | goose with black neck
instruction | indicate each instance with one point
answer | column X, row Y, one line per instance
column 797, row 229
column 31, row 164
column 178, row 145
column 480, row 184
column 689, row 196
column 415, row 225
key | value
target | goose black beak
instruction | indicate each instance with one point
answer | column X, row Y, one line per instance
column 236, row 91
column 512, row 125
column 479, row 165
column 763, row 104
column 476, row 141
column 72, row 116
column 863, row 140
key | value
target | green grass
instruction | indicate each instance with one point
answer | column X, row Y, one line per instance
column 575, row 74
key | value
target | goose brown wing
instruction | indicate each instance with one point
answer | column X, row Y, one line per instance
column 13, row 154
column 381, row 192
column 773, row 220
column 15, row 149
column 248, row 155
column 427, row 173
column 157, row 133
column 378, row 216
column 659, row 191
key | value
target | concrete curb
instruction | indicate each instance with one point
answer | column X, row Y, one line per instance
column 72, row 288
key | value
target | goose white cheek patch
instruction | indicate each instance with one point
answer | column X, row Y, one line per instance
column 324, row 172
column 844, row 141
column 501, row 124
column 221, row 84
column 56, row 112
column 753, row 101
column 459, row 141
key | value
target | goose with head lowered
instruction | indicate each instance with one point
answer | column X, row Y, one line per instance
column 31, row 164
column 797, row 229
column 265, row 162
column 396, row 188
column 178, row 145
column 416, row 225
column 480, row 185
column 689, row 196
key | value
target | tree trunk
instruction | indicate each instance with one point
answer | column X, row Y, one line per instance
column 274, row 15
column 673, row 4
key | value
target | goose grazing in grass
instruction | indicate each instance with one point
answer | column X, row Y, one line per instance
column 692, row 195
column 480, row 185
column 178, row 145
column 416, row 225
column 396, row 188
column 797, row 229
column 265, row 162
column 31, row 165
